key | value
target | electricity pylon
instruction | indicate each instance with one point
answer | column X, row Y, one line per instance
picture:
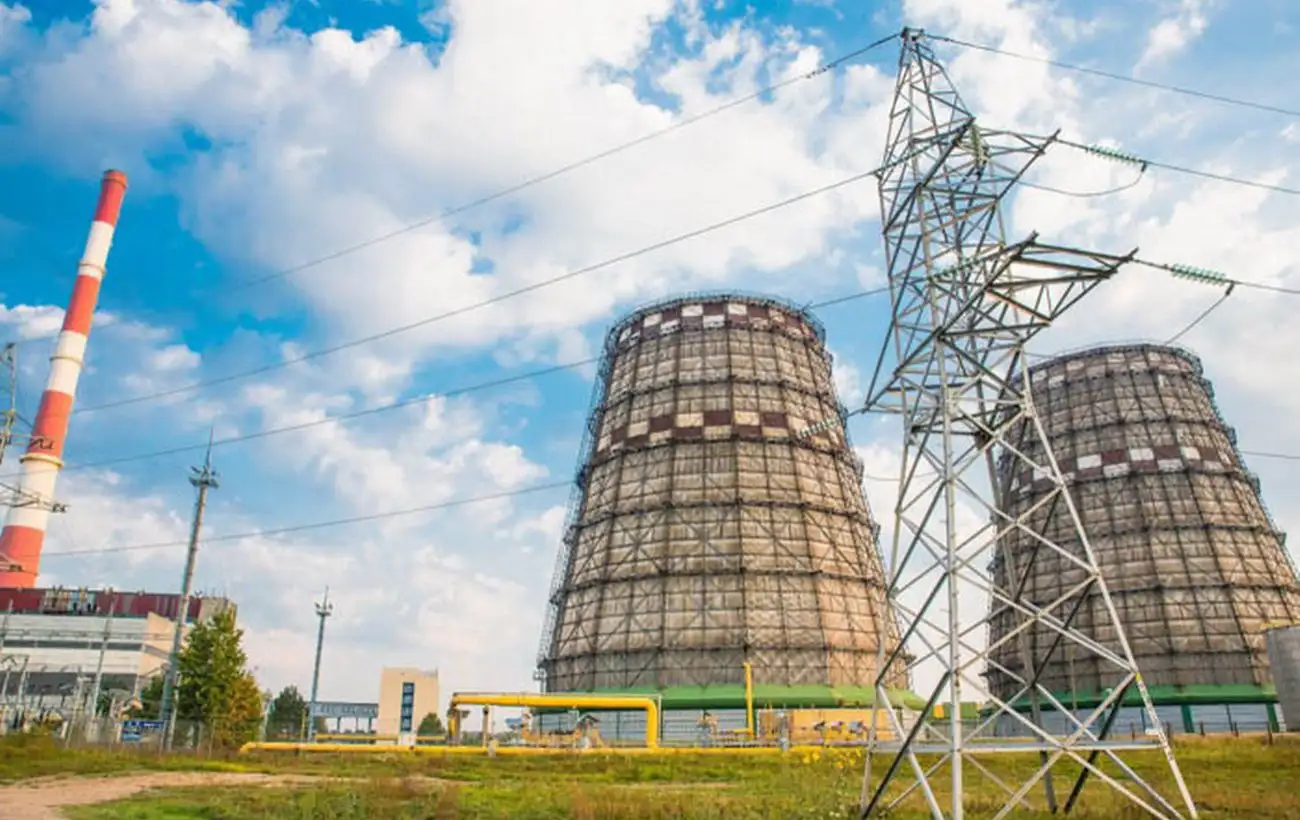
column 965, row 302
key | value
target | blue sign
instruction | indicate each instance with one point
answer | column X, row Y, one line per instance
column 339, row 709
column 134, row 730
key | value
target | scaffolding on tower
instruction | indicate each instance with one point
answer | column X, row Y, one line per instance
column 965, row 302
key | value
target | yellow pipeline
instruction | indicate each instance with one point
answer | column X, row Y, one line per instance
column 525, row 751
column 573, row 701
column 360, row 738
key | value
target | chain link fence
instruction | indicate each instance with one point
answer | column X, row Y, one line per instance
column 126, row 734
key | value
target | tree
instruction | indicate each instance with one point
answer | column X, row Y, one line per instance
column 430, row 725
column 150, row 700
column 288, row 711
column 215, row 686
column 289, row 715
column 241, row 717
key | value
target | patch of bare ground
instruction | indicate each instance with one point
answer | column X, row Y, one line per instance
column 42, row 799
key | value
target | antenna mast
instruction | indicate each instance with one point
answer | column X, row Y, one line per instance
column 965, row 302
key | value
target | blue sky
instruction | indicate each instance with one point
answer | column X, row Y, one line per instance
column 261, row 136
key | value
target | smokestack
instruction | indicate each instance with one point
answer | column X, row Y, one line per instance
column 24, row 532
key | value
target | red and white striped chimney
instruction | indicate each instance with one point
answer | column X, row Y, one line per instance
column 24, row 532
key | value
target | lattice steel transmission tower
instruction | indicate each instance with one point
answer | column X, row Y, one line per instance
column 965, row 302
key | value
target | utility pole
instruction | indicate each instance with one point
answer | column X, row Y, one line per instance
column 323, row 611
column 4, row 631
column 202, row 478
column 99, row 668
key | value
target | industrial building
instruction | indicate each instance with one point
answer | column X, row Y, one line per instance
column 1284, row 663
column 406, row 695
column 1194, row 563
column 55, row 642
column 705, row 534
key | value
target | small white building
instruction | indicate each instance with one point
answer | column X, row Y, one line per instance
column 406, row 695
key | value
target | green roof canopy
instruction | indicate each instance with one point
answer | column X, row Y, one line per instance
column 766, row 695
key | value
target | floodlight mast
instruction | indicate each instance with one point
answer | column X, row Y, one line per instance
column 965, row 302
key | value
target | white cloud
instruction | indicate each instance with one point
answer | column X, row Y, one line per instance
column 323, row 140
column 848, row 381
column 1173, row 34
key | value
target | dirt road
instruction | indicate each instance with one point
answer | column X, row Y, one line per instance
column 42, row 799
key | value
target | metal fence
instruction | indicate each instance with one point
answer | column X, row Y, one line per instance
column 126, row 734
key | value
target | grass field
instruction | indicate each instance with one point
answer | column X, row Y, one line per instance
column 1237, row 778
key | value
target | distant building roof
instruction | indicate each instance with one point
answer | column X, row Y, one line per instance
column 84, row 601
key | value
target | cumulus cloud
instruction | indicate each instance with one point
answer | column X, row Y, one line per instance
column 319, row 141
column 1173, row 34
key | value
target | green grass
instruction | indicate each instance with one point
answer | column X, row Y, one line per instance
column 1231, row 780
column 23, row 757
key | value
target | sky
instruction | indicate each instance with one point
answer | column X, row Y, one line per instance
column 262, row 138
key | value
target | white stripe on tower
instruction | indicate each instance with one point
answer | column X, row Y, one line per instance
column 24, row 532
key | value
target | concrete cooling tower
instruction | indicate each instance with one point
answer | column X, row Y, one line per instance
column 704, row 534
column 1193, row 561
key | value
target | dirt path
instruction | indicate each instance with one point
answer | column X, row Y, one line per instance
column 42, row 799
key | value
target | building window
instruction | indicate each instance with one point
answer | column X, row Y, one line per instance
column 408, row 707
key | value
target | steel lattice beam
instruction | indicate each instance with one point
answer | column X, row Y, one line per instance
column 965, row 303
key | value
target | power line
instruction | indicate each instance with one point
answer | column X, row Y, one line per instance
column 316, row 525
column 30, row 339
column 1200, row 317
column 409, row 402
column 291, row 428
column 1261, row 454
column 316, row 354
column 573, row 166
column 1125, row 78
column 1124, row 156
column 460, row 502
column 1213, row 277
column 775, row 206
column 1086, row 194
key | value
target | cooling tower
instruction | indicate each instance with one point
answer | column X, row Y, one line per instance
column 704, row 534
column 1193, row 561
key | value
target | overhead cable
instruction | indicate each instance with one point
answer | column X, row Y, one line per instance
column 1125, row 78
column 573, row 166
column 1200, row 317
column 1213, row 277
column 536, row 286
column 316, row 525
column 459, row 502
column 1118, row 155
column 1261, row 454
column 1086, row 194
column 396, row 405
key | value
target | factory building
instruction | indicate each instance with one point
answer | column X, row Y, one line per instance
column 706, row 534
column 54, row 642
column 1194, row 563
